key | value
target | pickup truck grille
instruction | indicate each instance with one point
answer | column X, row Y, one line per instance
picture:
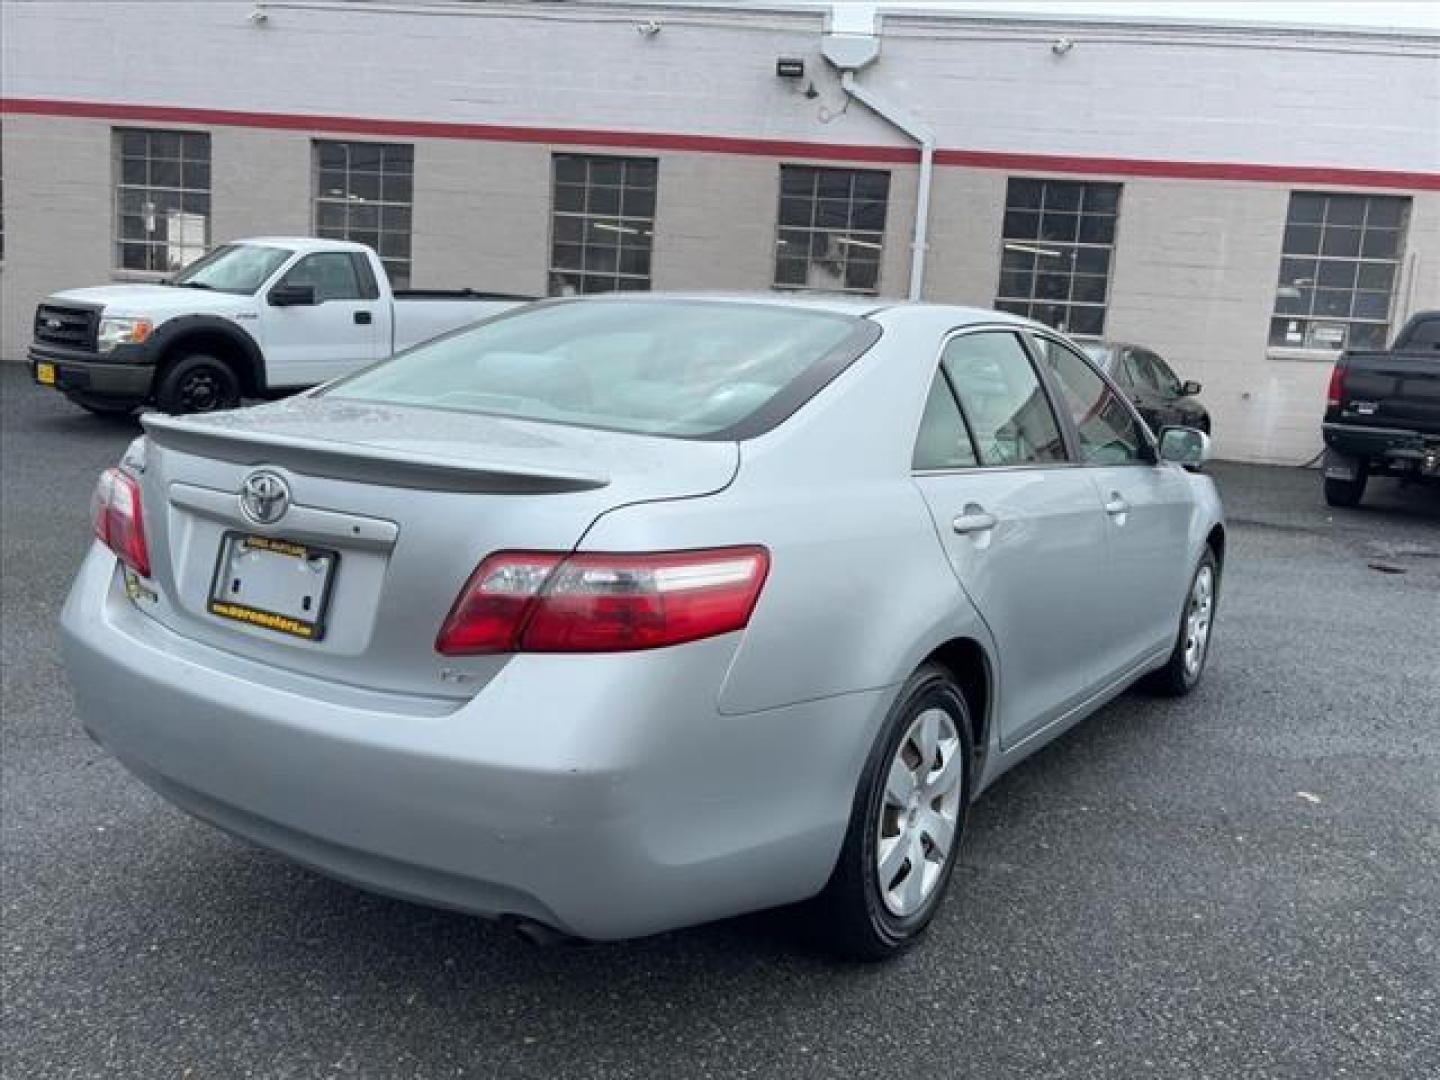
column 73, row 327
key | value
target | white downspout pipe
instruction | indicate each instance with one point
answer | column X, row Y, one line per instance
column 926, row 138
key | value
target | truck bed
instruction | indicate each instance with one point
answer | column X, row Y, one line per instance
column 455, row 294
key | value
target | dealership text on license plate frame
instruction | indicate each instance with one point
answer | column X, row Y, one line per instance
column 273, row 584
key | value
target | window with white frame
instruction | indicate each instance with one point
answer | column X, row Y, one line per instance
column 1057, row 244
column 1338, row 268
column 162, row 198
column 832, row 228
column 365, row 192
column 602, row 223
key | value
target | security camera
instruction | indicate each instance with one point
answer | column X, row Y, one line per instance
column 647, row 29
column 1060, row 46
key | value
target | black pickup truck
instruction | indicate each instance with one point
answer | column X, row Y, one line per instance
column 1383, row 413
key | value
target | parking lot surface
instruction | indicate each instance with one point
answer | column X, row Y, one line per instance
column 1242, row 883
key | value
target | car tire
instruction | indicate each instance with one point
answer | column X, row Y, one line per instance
column 110, row 410
column 197, row 384
column 1347, row 493
column 877, row 902
column 1182, row 671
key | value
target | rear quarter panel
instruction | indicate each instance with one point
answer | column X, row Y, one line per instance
column 860, row 590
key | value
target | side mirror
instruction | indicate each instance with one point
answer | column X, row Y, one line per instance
column 1189, row 447
column 293, row 296
column 1189, row 388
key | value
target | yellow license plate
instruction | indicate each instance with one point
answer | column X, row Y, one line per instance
column 45, row 374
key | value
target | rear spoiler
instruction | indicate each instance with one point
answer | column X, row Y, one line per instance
column 381, row 465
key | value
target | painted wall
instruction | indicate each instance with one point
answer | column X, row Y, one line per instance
column 1137, row 92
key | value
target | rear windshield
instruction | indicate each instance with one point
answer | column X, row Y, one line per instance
column 665, row 367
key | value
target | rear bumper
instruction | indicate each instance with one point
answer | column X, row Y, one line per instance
column 1395, row 444
column 126, row 374
column 604, row 796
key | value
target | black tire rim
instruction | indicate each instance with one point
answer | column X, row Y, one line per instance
column 202, row 391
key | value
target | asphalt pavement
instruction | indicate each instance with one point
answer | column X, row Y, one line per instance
column 1245, row 883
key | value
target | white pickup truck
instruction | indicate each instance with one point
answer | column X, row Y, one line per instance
column 253, row 318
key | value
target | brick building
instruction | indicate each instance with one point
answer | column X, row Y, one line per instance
column 1244, row 200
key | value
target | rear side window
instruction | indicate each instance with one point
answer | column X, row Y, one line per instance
column 1160, row 373
column 1003, row 400
column 1424, row 334
column 665, row 367
column 1109, row 433
column 1140, row 373
column 943, row 442
column 332, row 273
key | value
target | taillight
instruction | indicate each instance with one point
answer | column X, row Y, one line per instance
column 492, row 606
column 539, row 602
column 1336, row 395
column 119, row 522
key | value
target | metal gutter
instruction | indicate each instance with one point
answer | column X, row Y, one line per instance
column 849, row 53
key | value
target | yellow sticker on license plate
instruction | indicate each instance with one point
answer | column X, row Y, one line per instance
column 274, row 584
column 45, row 374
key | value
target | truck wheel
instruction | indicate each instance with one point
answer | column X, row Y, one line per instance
column 1347, row 492
column 906, row 824
column 111, row 410
column 198, row 384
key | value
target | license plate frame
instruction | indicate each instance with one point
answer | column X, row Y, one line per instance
column 45, row 373
column 225, row 581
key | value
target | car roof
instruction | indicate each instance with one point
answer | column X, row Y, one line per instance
column 302, row 243
column 840, row 303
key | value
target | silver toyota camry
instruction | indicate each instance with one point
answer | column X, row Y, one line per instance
column 613, row 615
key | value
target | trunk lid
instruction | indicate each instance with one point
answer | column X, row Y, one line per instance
column 408, row 500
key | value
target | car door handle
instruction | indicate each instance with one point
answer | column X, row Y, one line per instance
column 1116, row 506
column 973, row 520
column 363, row 318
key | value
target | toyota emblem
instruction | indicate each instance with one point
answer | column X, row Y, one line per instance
column 264, row 497
column 54, row 324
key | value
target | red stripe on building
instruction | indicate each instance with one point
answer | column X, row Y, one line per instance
column 725, row 144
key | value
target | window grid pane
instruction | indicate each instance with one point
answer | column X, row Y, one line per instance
column 602, row 223
column 1057, row 241
column 831, row 231
column 364, row 192
column 1341, row 256
column 162, row 198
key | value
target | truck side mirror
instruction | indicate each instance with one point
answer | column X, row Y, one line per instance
column 1185, row 446
column 1189, row 388
column 283, row 295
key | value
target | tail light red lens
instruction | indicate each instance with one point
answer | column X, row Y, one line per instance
column 1335, row 397
column 536, row 602
column 119, row 521
column 492, row 607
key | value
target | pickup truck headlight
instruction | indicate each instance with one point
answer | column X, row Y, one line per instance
column 122, row 332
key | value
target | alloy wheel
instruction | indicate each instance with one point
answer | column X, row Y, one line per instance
column 919, row 812
column 1197, row 620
